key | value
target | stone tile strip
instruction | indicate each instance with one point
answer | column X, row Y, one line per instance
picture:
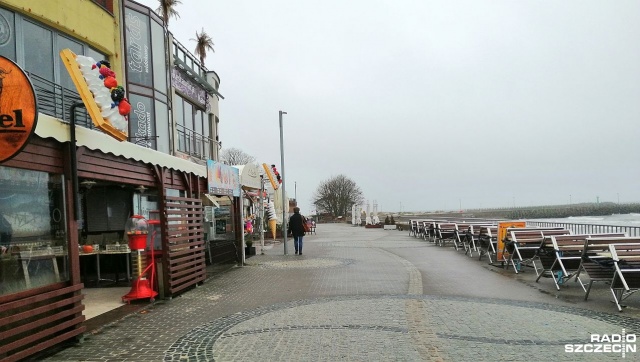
column 424, row 338
column 415, row 278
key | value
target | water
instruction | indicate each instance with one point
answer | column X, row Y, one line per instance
column 618, row 223
column 615, row 219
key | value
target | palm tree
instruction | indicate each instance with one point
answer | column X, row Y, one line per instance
column 204, row 43
column 167, row 9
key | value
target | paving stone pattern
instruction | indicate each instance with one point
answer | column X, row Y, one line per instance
column 364, row 295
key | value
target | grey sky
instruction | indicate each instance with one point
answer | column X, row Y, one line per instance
column 432, row 104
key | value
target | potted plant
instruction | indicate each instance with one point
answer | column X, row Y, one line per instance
column 249, row 249
column 389, row 223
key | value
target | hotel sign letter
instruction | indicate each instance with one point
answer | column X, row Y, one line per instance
column 18, row 109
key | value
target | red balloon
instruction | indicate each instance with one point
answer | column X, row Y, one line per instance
column 124, row 107
column 110, row 82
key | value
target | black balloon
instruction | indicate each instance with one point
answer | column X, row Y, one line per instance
column 117, row 94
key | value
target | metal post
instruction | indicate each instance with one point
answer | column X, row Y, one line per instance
column 244, row 246
column 285, row 201
column 261, row 214
column 74, row 161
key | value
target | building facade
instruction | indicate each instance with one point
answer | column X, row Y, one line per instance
column 68, row 189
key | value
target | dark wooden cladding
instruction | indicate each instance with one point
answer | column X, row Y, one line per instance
column 38, row 319
column 108, row 167
column 184, row 243
column 39, row 155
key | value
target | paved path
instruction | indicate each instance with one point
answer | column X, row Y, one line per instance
column 365, row 295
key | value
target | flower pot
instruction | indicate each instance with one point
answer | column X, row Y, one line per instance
column 249, row 251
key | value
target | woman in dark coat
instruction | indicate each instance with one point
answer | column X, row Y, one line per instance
column 296, row 228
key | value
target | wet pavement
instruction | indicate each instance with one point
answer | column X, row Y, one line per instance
column 367, row 295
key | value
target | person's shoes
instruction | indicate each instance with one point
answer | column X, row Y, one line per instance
column 300, row 253
column 296, row 252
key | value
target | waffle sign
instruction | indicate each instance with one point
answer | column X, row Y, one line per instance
column 18, row 109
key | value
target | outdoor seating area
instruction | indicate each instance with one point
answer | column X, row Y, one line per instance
column 554, row 252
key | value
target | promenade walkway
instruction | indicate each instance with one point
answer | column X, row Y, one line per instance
column 364, row 295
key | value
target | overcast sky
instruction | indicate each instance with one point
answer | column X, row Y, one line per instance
column 431, row 105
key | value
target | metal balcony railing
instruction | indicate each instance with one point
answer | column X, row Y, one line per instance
column 194, row 144
column 55, row 100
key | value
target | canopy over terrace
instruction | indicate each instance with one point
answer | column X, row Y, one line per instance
column 97, row 141
column 249, row 176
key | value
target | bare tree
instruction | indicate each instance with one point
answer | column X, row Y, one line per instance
column 236, row 156
column 167, row 9
column 336, row 195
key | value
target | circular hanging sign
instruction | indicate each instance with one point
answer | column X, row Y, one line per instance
column 18, row 109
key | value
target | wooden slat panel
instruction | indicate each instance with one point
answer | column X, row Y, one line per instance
column 179, row 284
column 195, row 243
column 35, row 324
column 185, row 259
column 185, row 244
column 58, row 309
column 35, row 311
column 187, row 262
column 38, row 295
column 43, row 345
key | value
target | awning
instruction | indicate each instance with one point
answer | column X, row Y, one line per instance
column 50, row 127
column 249, row 176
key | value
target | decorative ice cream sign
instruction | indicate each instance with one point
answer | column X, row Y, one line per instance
column 104, row 98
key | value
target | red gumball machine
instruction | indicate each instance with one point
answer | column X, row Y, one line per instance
column 137, row 229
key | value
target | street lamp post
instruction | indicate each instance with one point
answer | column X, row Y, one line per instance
column 285, row 202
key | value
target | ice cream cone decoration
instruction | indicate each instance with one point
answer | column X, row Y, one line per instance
column 273, row 220
column 272, row 227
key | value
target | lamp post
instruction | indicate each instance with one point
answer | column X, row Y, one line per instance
column 285, row 202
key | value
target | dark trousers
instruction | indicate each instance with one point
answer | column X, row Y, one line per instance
column 297, row 243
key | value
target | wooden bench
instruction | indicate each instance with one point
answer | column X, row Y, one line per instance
column 597, row 262
column 413, row 228
column 626, row 279
column 465, row 235
column 522, row 244
column 429, row 227
column 561, row 256
column 446, row 231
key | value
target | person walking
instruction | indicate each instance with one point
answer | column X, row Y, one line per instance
column 296, row 228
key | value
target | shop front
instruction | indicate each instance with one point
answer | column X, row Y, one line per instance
column 251, row 186
column 223, row 213
column 48, row 254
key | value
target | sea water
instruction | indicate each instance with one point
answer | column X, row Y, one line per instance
column 616, row 223
column 615, row 219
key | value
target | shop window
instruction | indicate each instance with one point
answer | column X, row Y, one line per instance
column 107, row 208
column 158, row 57
column 38, row 50
column 162, row 127
column 66, row 43
column 7, row 34
column 33, row 238
column 105, row 4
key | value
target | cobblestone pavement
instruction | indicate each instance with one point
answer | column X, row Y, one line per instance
column 366, row 295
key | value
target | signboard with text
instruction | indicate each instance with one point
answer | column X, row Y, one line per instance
column 223, row 179
column 502, row 234
column 18, row 109
column 138, row 48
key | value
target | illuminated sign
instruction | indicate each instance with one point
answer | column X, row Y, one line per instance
column 18, row 109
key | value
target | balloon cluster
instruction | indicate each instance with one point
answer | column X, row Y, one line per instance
column 275, row 172
column 110, row 82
